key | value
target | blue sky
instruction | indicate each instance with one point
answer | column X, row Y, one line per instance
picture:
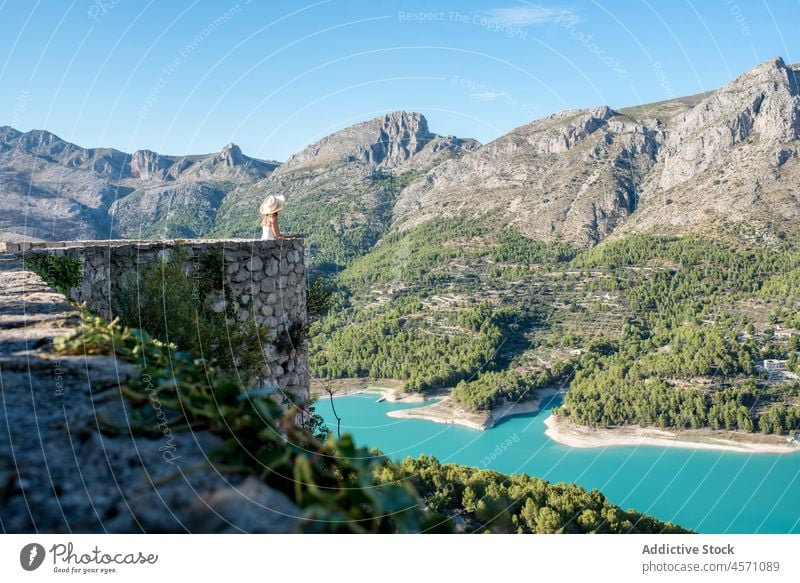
column 190, row 76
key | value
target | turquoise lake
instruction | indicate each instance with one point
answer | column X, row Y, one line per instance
column 708, row 491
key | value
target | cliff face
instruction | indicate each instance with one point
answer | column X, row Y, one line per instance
column 732, row 157
column 384, row 141
column 762, row 103
column 572, row 176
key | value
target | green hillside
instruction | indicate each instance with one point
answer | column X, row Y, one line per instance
column 647, row 330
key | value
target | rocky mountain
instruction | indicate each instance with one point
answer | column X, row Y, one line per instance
column 345, row 182
column 52, row 189
column 398, row 140
column 686, row 164
column 180, row 196
column 342, row 189
column 731, row 158
column 579, row 176
column 572, row 175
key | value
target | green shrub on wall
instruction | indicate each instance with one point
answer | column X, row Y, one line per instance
column 61, row 273
column 190, row 311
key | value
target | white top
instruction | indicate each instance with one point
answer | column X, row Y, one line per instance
column 266, row 234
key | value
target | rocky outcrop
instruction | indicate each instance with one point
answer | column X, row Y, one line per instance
column 384, row 142
column 731, row 158
column 230, row 156
column 59, row 472
column 147, row 165
column 764, row 102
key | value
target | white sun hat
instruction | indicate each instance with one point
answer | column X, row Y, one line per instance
column 272, row 204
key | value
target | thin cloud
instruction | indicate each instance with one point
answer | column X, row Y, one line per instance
column 526, row 15
column 489, row 95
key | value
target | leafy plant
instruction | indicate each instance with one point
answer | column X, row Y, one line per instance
column 60, row 272
column 194, row 312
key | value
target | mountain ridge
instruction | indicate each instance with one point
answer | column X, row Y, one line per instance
column 578, row 176
column 581, row 175
column 55, row 189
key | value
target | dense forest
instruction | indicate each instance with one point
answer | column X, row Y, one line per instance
column 490, row 502
column 400, row 343
column 683, row 327
column 490, row 389
column 397, row 345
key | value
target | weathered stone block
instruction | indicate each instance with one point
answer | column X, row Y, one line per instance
column 255, row 263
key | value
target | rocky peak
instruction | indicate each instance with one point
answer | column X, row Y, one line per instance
column 774, row 68
column 384, row 141
column 7, row 133
column 147, row 165
column 562, row 131
column 760, row 105
column 40, row 143
column 231, row 155
column 39, row 138
column 401, row 136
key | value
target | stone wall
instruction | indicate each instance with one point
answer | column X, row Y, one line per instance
column 265, row 281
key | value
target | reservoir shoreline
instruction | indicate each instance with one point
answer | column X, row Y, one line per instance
column 445, row 410
column 677, row 484
column 440, row 408
column 563, row 431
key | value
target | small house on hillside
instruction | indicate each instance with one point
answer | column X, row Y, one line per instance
column 785, row 332
column 774, row 365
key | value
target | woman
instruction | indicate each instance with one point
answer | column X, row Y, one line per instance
column 269, row 210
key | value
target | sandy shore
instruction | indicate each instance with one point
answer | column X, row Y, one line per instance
column 389, row 389
column 445, row 410
column 563, row 431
